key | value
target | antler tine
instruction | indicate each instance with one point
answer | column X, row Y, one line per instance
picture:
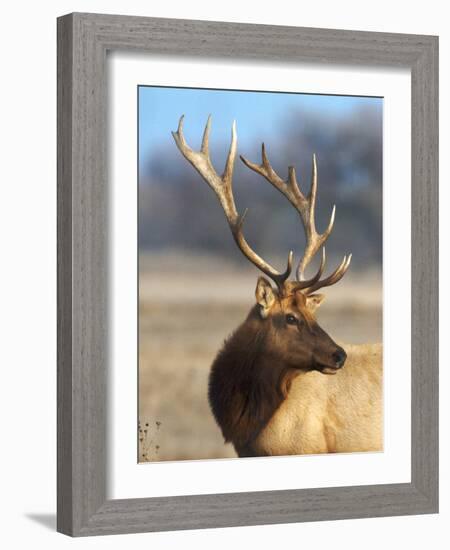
column 222, row 186
column 289, row 189
column 227, row 176
column 314, row 240
column 332, row 279
column 205, row 140
column 201, row 161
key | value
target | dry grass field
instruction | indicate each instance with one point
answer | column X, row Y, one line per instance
column 187, row 307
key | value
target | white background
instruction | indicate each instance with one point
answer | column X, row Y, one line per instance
column 28, row 301
column 131, row 480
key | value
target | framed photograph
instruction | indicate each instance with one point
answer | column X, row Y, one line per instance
column 247, row 274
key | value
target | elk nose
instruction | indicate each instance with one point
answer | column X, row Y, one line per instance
column 339, row 357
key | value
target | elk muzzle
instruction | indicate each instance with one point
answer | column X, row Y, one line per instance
column 338, row 358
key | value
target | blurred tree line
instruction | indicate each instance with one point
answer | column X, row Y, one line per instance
column 178, row 210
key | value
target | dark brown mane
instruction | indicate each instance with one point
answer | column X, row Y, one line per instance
column 247, row 384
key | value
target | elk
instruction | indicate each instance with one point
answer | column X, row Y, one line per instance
column 281, row 385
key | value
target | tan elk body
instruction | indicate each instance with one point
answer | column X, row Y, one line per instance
column 278, row 386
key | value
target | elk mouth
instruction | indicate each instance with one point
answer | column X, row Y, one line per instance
column 327, row 369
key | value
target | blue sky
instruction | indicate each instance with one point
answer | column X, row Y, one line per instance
column 258, row 114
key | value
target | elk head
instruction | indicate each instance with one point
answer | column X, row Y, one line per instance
column 285, row 314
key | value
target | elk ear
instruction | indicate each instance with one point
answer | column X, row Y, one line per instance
column 314, row 301
column 265, row 296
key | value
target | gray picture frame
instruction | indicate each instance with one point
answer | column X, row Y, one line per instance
column 83, row 240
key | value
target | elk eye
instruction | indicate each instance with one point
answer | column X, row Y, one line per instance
column 291, row 320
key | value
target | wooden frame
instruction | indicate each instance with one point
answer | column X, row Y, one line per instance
column 83, row 41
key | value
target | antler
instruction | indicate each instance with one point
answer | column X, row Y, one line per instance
column 222, row 186
column 305, row 206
